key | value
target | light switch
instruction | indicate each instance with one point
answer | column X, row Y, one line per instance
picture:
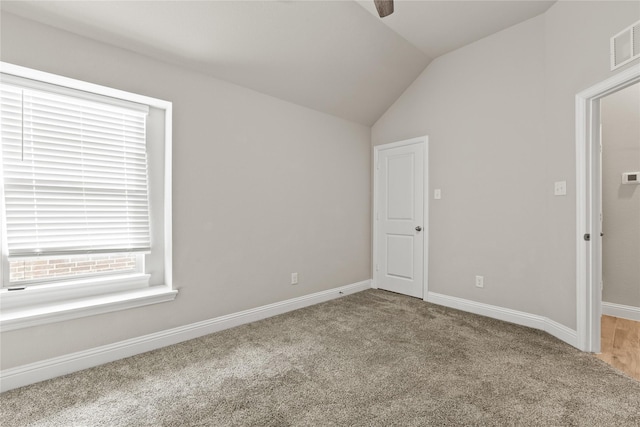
column 437, row 194
column 560, row 188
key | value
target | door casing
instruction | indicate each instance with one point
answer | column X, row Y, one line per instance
column 425, row 220
column 589, row 206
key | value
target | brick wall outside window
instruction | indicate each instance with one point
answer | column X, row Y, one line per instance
column 69, row 266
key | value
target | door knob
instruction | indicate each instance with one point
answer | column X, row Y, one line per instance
column 418, row 228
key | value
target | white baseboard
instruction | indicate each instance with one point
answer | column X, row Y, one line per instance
column 562, row 332
column 554, row 328
column 51, row 368
column 619, row 310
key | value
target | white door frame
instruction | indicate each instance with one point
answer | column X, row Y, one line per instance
column 588, row 205
column 425, row 220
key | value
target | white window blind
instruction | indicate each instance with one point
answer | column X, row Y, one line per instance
column 74, row 174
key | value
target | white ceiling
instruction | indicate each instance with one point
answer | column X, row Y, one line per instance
column 331, row 56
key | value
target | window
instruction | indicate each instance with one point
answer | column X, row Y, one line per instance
column 81, row 165
column 46, row 269
column 75, row 182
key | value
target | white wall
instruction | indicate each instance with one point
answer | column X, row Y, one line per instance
column 262, row 188
column 620, row 118
column 500, row 115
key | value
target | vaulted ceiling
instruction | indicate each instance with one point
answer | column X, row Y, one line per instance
column 337, row 57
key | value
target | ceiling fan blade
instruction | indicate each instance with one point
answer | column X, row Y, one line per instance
column 384, row 7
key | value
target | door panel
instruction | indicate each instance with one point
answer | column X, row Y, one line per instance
column 400, row 256
column 400, row 199
column 400, row 170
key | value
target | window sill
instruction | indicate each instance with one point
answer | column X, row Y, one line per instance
column 17, row 318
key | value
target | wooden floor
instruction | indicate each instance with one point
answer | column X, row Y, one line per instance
column 621, row 345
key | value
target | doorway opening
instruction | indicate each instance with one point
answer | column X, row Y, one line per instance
column 589, row 231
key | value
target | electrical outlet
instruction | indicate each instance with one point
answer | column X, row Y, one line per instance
column 479, row 281
column 294, row 278
column 560, row 188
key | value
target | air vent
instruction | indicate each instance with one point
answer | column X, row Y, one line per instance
column 636, row 39
column 625, row 46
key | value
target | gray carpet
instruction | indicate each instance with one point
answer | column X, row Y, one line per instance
column 370, row 359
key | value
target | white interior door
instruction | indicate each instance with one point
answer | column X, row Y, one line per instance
column 400, row 227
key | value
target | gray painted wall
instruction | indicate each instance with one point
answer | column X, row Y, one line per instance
column 620, row 118
column 500, row 115
column 262, row 188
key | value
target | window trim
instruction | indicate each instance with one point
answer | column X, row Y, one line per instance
column 64, row 300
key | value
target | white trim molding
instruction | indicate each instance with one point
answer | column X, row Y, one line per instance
column 542, row 323
column 619, row 310
column 39, row 371
column 588, row 204
column 76, row 308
